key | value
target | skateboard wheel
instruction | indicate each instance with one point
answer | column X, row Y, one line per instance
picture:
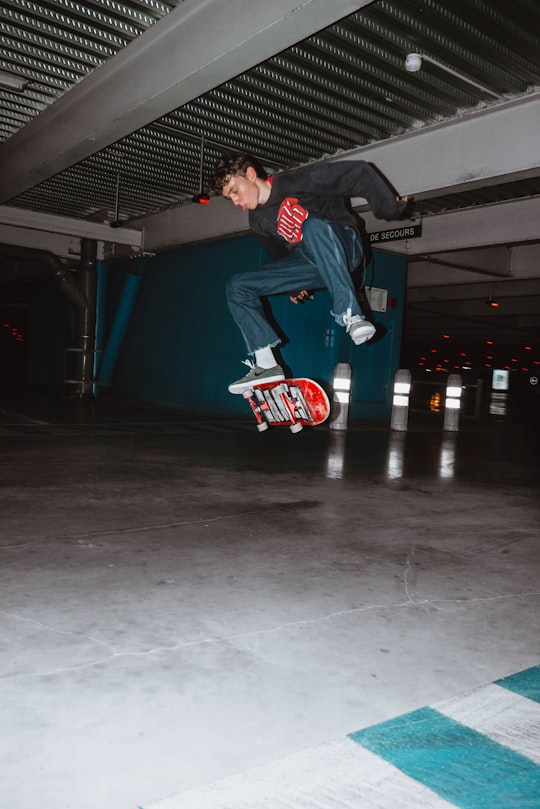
column 295, row 428
column 247, row 393
column 262, row 426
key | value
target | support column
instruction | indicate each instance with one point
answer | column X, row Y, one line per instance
column 120, row 323
column 86, row 319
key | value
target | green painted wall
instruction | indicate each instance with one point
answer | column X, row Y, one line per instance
column 182, row 348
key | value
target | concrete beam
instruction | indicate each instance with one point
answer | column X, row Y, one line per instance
column 64, row 247
column 501, row 223
column 190, row 223
column 434, row 160
column 526, row 289
column 48, row 223
column 195, row 48
column 487, row 147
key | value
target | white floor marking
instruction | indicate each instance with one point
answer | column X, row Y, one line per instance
column 504, row 716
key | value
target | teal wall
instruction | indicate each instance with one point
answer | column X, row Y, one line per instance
column 182, row 348
column 317, row 343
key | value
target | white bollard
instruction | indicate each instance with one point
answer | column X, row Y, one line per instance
column 342, row 396
column 400, row 401
column 452, row 405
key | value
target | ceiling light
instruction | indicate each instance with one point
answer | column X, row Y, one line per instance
column 10, row 81
column 202, row 199
column 491, row 301
column 413, row 63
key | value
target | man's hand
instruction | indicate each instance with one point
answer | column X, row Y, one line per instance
column 301, row 296
column 408, row 208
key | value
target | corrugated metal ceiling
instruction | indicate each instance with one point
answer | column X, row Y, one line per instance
column 342, row 88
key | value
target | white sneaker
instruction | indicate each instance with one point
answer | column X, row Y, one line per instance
column 358, row 328
column 256, row 376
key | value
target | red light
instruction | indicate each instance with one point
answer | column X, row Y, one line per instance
column 446, row 336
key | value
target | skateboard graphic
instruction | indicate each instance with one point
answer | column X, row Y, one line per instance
column 293, row 403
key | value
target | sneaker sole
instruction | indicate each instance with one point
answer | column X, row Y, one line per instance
column 241, row 387
column 363, row 336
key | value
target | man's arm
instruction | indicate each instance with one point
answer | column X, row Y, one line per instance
column 348, row 178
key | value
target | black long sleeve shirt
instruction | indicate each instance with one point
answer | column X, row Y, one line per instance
column 320, row 189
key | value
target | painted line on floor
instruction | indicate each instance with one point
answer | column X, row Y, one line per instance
column 466, row 768
column 526, row 683
column 503, row 716
column 339, row 775
column 477, row 751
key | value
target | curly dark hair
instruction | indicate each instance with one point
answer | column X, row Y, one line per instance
column 229, row 165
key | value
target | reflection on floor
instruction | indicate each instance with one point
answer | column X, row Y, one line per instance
column 185, row 599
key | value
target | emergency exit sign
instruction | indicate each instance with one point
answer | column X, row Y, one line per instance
column 396, row 234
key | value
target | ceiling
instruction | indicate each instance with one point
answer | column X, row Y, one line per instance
column 128, row 104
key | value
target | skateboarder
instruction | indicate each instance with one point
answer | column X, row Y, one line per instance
column 304, row 222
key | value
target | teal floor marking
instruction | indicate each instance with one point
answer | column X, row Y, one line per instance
column 461, row 765
column 525, row 683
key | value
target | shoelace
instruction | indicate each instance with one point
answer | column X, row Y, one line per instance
column 249, row 363
column 347, row 319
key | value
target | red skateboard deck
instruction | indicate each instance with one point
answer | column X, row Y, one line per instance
column 293, row 403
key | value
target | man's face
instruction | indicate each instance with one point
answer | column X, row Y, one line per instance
column 243, row 190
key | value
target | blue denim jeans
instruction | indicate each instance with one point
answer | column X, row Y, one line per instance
column 327, row 256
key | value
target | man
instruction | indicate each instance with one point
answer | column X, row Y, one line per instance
column 303, row 220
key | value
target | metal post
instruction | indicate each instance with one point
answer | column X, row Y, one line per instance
column 453, row 403
column 342, row 396
column 86, row 318
column 400, row 401
column 101, row 307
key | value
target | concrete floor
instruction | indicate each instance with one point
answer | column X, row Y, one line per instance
column 183, row 599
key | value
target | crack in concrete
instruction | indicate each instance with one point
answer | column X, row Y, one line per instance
column 243, row 635
column 135, row 530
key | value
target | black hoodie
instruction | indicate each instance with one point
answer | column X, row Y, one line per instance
column 319, row 189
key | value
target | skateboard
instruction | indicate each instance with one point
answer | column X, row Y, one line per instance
column 293, row 403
